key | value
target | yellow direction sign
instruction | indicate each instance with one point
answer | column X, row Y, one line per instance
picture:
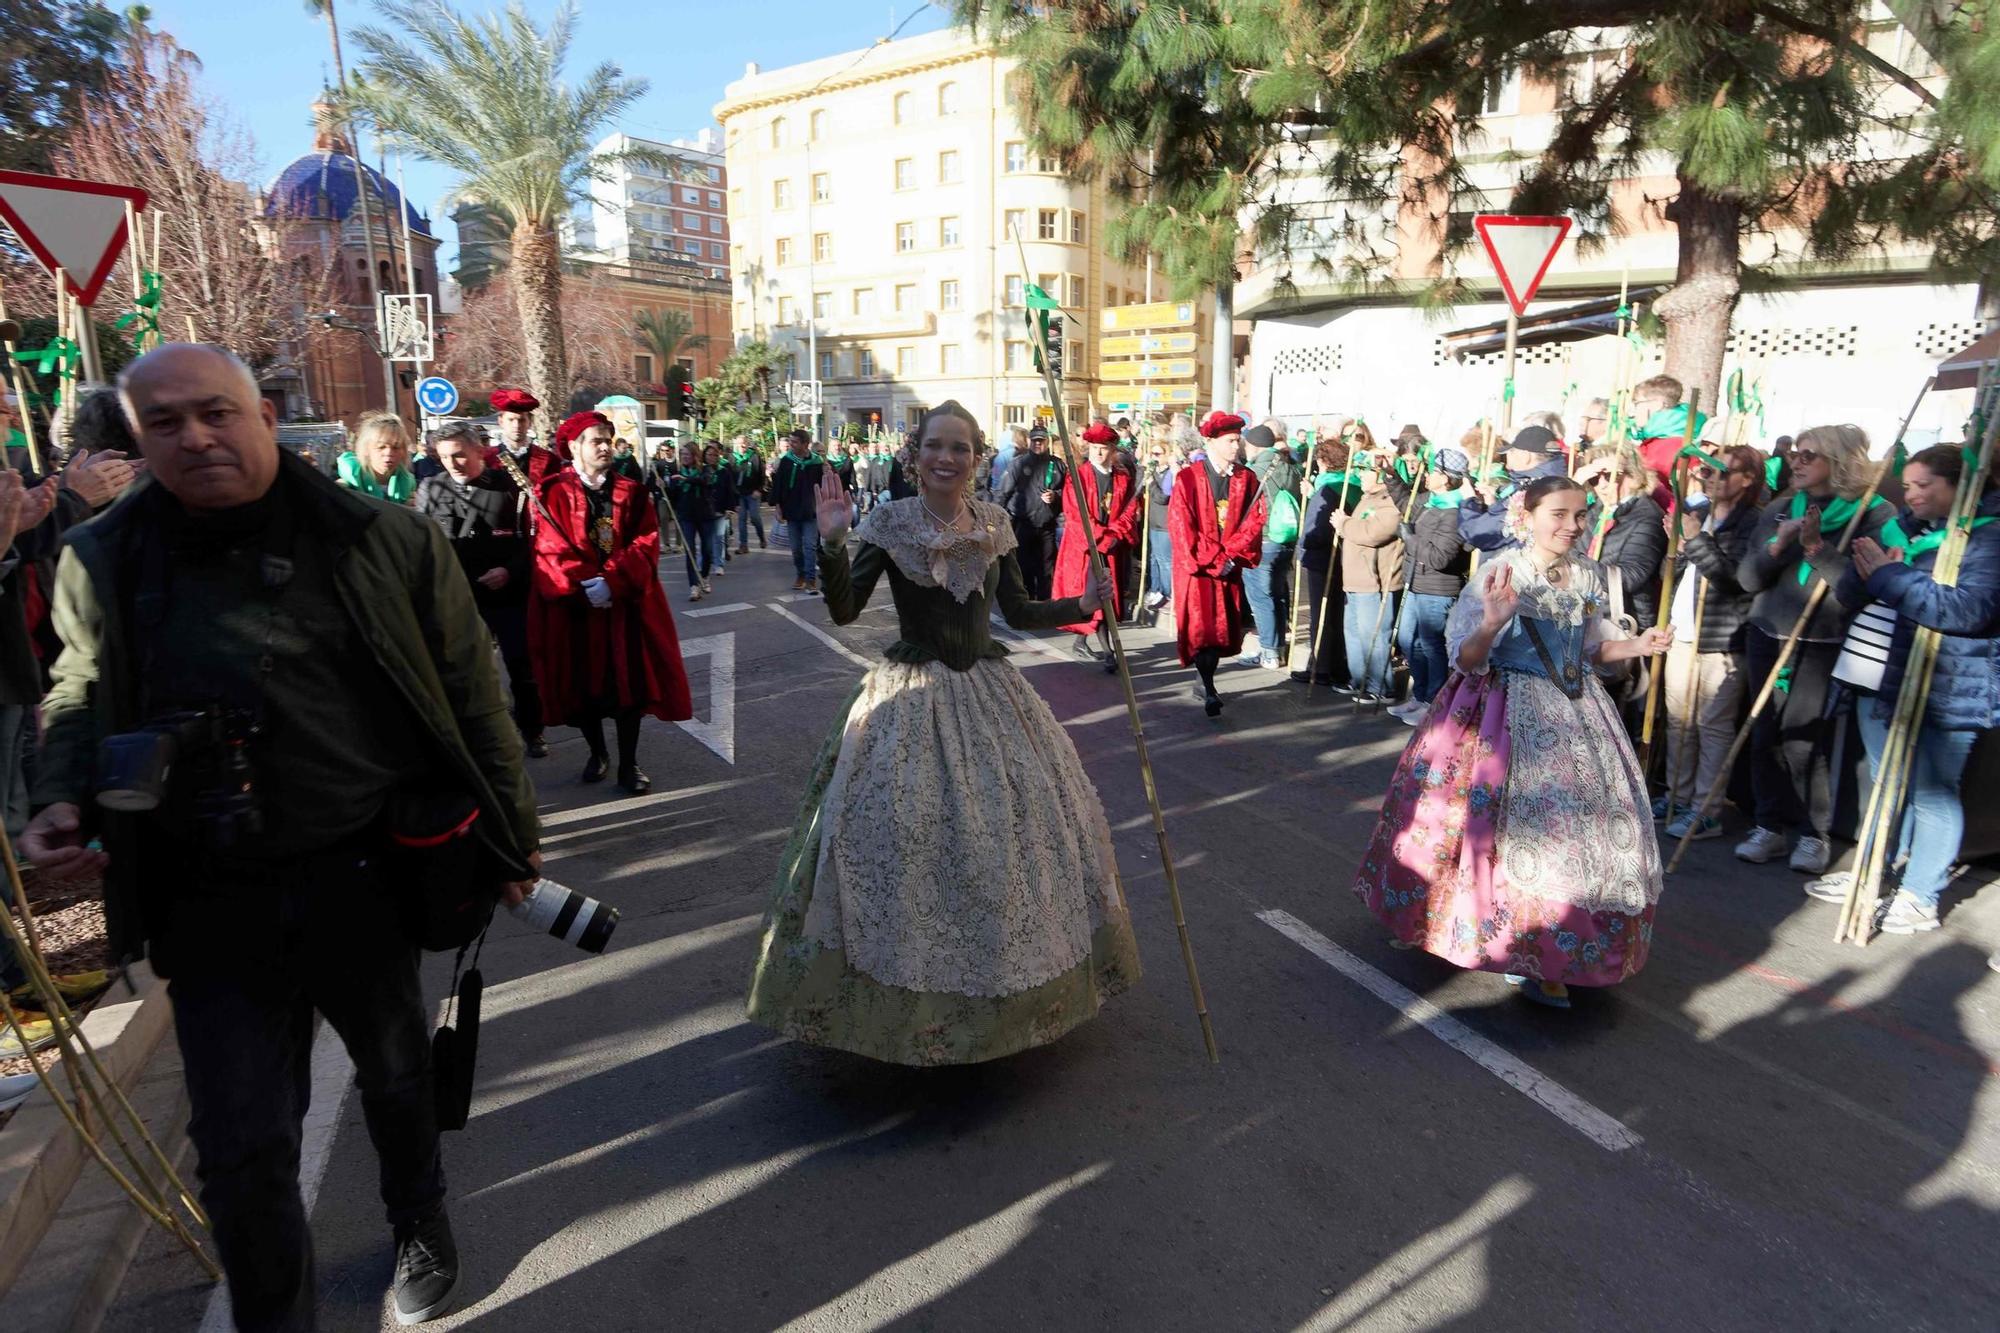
column 1045, row 413
column 1129, row 396
column 1182, row 369
column 1148, row 344
column 1157, row 315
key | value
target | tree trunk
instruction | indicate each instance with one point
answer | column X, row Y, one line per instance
column 1222, row 352
column 536, row 274
column 1708, row 281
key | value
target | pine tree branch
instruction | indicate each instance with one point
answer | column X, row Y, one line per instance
column 1835, row 39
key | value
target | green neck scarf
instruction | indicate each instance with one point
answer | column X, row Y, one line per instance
column 1930, row 540
column 1833, row 516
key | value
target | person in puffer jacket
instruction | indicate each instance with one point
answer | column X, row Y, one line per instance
column 1964, row 696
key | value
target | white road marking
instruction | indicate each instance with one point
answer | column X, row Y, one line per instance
column 1606, row 1132
column 799, row 597
column 332, row 1076
column 718, row 733
column 697, row 612
column 1034, row 641
column 906, row 1286
column 822, row 636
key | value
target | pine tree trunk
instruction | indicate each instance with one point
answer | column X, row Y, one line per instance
column 1707, row 284
column 536, row 274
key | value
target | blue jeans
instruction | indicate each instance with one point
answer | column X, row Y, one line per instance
column 1423, row 643
column 699, row 539
column 1160, row 563
column 1368, row 663
column 1268, row 587
column 1933, row 816
column 721, row 540
column 804, row 534
column 750, row 514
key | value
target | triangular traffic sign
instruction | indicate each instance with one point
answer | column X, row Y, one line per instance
column 75, row 226
column 1521, row 248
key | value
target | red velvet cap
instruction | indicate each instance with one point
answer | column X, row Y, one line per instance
column 1220, row 423
column 514, row 400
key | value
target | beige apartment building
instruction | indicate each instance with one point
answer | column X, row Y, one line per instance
column 874, row 197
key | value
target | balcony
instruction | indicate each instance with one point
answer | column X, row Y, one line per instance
column 882, row 324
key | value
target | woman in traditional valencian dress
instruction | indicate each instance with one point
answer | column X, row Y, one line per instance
column 949, row 893
column 1516, row 836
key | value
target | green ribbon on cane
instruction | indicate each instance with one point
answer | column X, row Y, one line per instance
column 145, row 311
column 1507, row 390
column 58, row 357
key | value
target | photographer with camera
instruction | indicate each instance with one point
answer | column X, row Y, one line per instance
column 260, row 670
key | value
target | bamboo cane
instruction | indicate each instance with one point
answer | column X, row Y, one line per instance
column 1306, row 480
column 134, row 250
column 1679, row 473
column 19, row 378
column 1100, row 572
column 26, row 943
column 1791, row 641
column 1879, row 831
column 1326, row 592
column 1382, row 607
column 1147, row 475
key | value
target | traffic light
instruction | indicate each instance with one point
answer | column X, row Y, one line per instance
column 683, row 400
column 1054, row 333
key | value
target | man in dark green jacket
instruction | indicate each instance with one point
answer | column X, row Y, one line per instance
column 333, row 642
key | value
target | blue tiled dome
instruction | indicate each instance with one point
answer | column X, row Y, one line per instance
column 321, row 185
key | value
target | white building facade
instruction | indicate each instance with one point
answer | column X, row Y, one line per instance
column 1830, row 343
column 642, row 215
column 874, row 199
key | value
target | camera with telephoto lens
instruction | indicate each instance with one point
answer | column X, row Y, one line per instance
column 201, row 754
column 568, row 915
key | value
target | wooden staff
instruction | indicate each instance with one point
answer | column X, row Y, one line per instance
column 1100, row 571
column 1382, row 607
column 1881, row 825
column 1791, row 643
column 1618, row 429
column 1332, row 573
column 1679, row 473
column 19, row 378
column 1306, row 478
column 1693, row 709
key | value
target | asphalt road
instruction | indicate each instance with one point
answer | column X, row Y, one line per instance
column 1762, row 1131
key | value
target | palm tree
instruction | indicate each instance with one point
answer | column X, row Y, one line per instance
column 486, row 98
column 760, row 359
column 666, row 334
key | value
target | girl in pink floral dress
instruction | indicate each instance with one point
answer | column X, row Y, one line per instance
column 1516, row 836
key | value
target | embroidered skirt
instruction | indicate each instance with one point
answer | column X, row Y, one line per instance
column 1516, row 835
column 949, row 893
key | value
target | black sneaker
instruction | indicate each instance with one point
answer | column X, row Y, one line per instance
column 634, row 780
column 538, row 746
column 595, row 767
column 426, row 1270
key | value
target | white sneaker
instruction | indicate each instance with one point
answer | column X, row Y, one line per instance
column 1811, row 855
column 1907, row 916
column 1831, row 888
column 1268, row 661
column 1761, row 846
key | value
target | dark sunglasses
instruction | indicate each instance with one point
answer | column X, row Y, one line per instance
column 1804, row 455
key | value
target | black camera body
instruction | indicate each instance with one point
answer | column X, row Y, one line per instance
column 208, row 750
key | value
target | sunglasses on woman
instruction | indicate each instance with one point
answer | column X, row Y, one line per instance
column 1805, row 455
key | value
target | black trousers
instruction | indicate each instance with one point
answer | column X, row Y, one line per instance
column 1791, row 773
column 1037, row 557
column 509, row 627
column 250, row 963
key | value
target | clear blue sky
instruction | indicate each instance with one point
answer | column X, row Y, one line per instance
column 265, row 59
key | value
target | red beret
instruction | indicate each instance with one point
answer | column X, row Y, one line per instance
column 1099, row 433
column 1220, row 423
column 514, row 400
column 576, row 425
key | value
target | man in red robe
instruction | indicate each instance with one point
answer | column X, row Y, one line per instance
column 601, row 635
column 515, row 409
column 1112, row 500
column 1216, row 522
